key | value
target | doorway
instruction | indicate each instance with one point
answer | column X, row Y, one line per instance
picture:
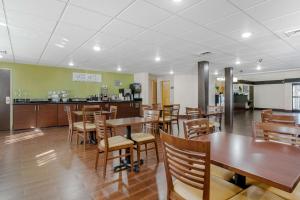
column 296, row 97
column 154, row 91
column 5, row 103
column 165, row 92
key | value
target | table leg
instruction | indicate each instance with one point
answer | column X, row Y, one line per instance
column 239, row 180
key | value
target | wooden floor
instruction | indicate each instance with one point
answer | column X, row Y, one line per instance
column 41, row 164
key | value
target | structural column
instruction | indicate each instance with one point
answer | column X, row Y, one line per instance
column 203, row 81
column 229, row 99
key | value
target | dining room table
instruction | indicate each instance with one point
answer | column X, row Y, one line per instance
column 272, row 163
column 128, row 123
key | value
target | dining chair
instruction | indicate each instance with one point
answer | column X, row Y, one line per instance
column 266, row 114
column 148, row 135
column 175, row 116
column 72, row 129
column 143, row 108
column 282, row 119
column 195, row 127
column 88, row 126
column 113, row 115
column 109, row 144
column 187, row 167
column 276, row 133
column 217, row 118
column 166, row 119
column 156, row 106
column 193, row 113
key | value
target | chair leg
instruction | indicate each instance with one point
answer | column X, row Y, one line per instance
column 97, row 158
column 120, row 153
column 156, row 151
column 77, row 139
column 146, row 150
column 178, row 126
column 105, row 163
column 131, row 159
column 84, row 140
column 138, row 153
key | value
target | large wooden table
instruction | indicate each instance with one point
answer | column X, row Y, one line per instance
column 275, row 164
column 127, row 122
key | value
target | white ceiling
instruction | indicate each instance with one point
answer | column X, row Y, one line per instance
column 131, row 33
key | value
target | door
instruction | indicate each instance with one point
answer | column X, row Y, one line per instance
column 24, row 116
column 296, row 96
column 5, row 103
column 46, row 115
column 165, row 92
column 154, row 91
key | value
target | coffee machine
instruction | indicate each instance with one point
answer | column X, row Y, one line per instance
column 136, row 89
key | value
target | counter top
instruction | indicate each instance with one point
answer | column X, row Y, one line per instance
column 73, row 102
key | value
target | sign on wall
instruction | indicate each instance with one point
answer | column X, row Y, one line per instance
column 85, row 77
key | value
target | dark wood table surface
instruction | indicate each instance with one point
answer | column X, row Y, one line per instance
column 275, row 164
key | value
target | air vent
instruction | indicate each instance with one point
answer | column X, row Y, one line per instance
column 3, row 52
column 292, row 33
column 205, row 53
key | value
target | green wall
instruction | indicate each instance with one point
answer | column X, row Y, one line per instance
column 37, row 80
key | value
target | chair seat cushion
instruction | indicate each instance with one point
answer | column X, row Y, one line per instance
column 219, row 190
column 88, row 126
column 115, row 141
column 256, row 193
column 142, row 137
column 295, row 195
column 221, row 172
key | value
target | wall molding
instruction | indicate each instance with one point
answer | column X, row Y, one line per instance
column 289, row 80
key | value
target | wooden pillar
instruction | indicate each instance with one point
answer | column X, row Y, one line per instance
column 203, row 81
column 229, row 99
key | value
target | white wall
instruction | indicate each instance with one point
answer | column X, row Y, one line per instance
column 186, row 91
column 269, row 96
column 143, row 78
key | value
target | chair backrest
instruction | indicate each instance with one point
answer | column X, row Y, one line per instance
column 283, row 119
column 277, row 133
column 187, row 161
column 167, row 112
column 196, row 127
column 88, row 113
column 266, row 114
column 69, row 115
column 156, row 106
column 215, row 108
column 175, row 111
column 100, row 122
column 193, row 113
column 143, row 108
column 151, row 115
column 114, row 111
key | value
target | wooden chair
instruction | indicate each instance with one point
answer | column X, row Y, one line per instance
column 217, row 119
column 266, row 114
column 175, row 115
column 187, row 166
column 193, row 113
column 156, row 106
column 143, row 108
column 166, row 119
column 113, row 115
column 148, row 135
column 72, row 129
column 195, row 128
column 109, row 144
column 276, row 133
column 88, row 126
column 282, row 119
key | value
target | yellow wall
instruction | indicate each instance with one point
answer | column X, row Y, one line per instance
column 37, row 80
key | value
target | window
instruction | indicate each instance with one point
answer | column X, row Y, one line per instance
column 296, row 96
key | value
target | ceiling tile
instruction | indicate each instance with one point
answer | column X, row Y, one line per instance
column 48, row 9
column 246, row 4
column 122, row 29
column 84, row 18
column 273, row 9
column 108, row 7
column 209, row 11
column 285, row 23
column 173, row 6
column 144, row 14
column 152, row 37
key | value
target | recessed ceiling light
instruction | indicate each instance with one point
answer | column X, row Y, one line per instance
column 246, row 35
column 237, row 62
column 71, row 63
column 157, row 58
column 60, row 45
column 235, row 79
column 258, row 67
column 216, row 72
column 3, row 24
column 171, row 72
column 97, row 48
column 65, row 39
column 1, row 56
column 177, row 1
column 119, row 69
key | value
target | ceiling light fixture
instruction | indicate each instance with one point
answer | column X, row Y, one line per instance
column 3, row 24
column 71, row 63
column 65, row 39
column 216, row 72
column 60, row 45
column 1, row 56
column 258, row 67
column 177, row 1
column 171, row 72
column 237, row 62
column 119, row 69
column 97, row 48
column 246, row 35
column 157, row 58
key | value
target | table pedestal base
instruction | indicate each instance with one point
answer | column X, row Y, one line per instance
column 239, row 180
column 125, row 165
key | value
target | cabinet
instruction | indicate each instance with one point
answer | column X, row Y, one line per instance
column 46, row 115
column 24, row 117
column 62, row 117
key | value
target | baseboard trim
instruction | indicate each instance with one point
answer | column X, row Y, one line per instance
column 279, row 110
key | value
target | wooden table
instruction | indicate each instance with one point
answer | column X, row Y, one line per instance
column 277, row 165
column 127, row 122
